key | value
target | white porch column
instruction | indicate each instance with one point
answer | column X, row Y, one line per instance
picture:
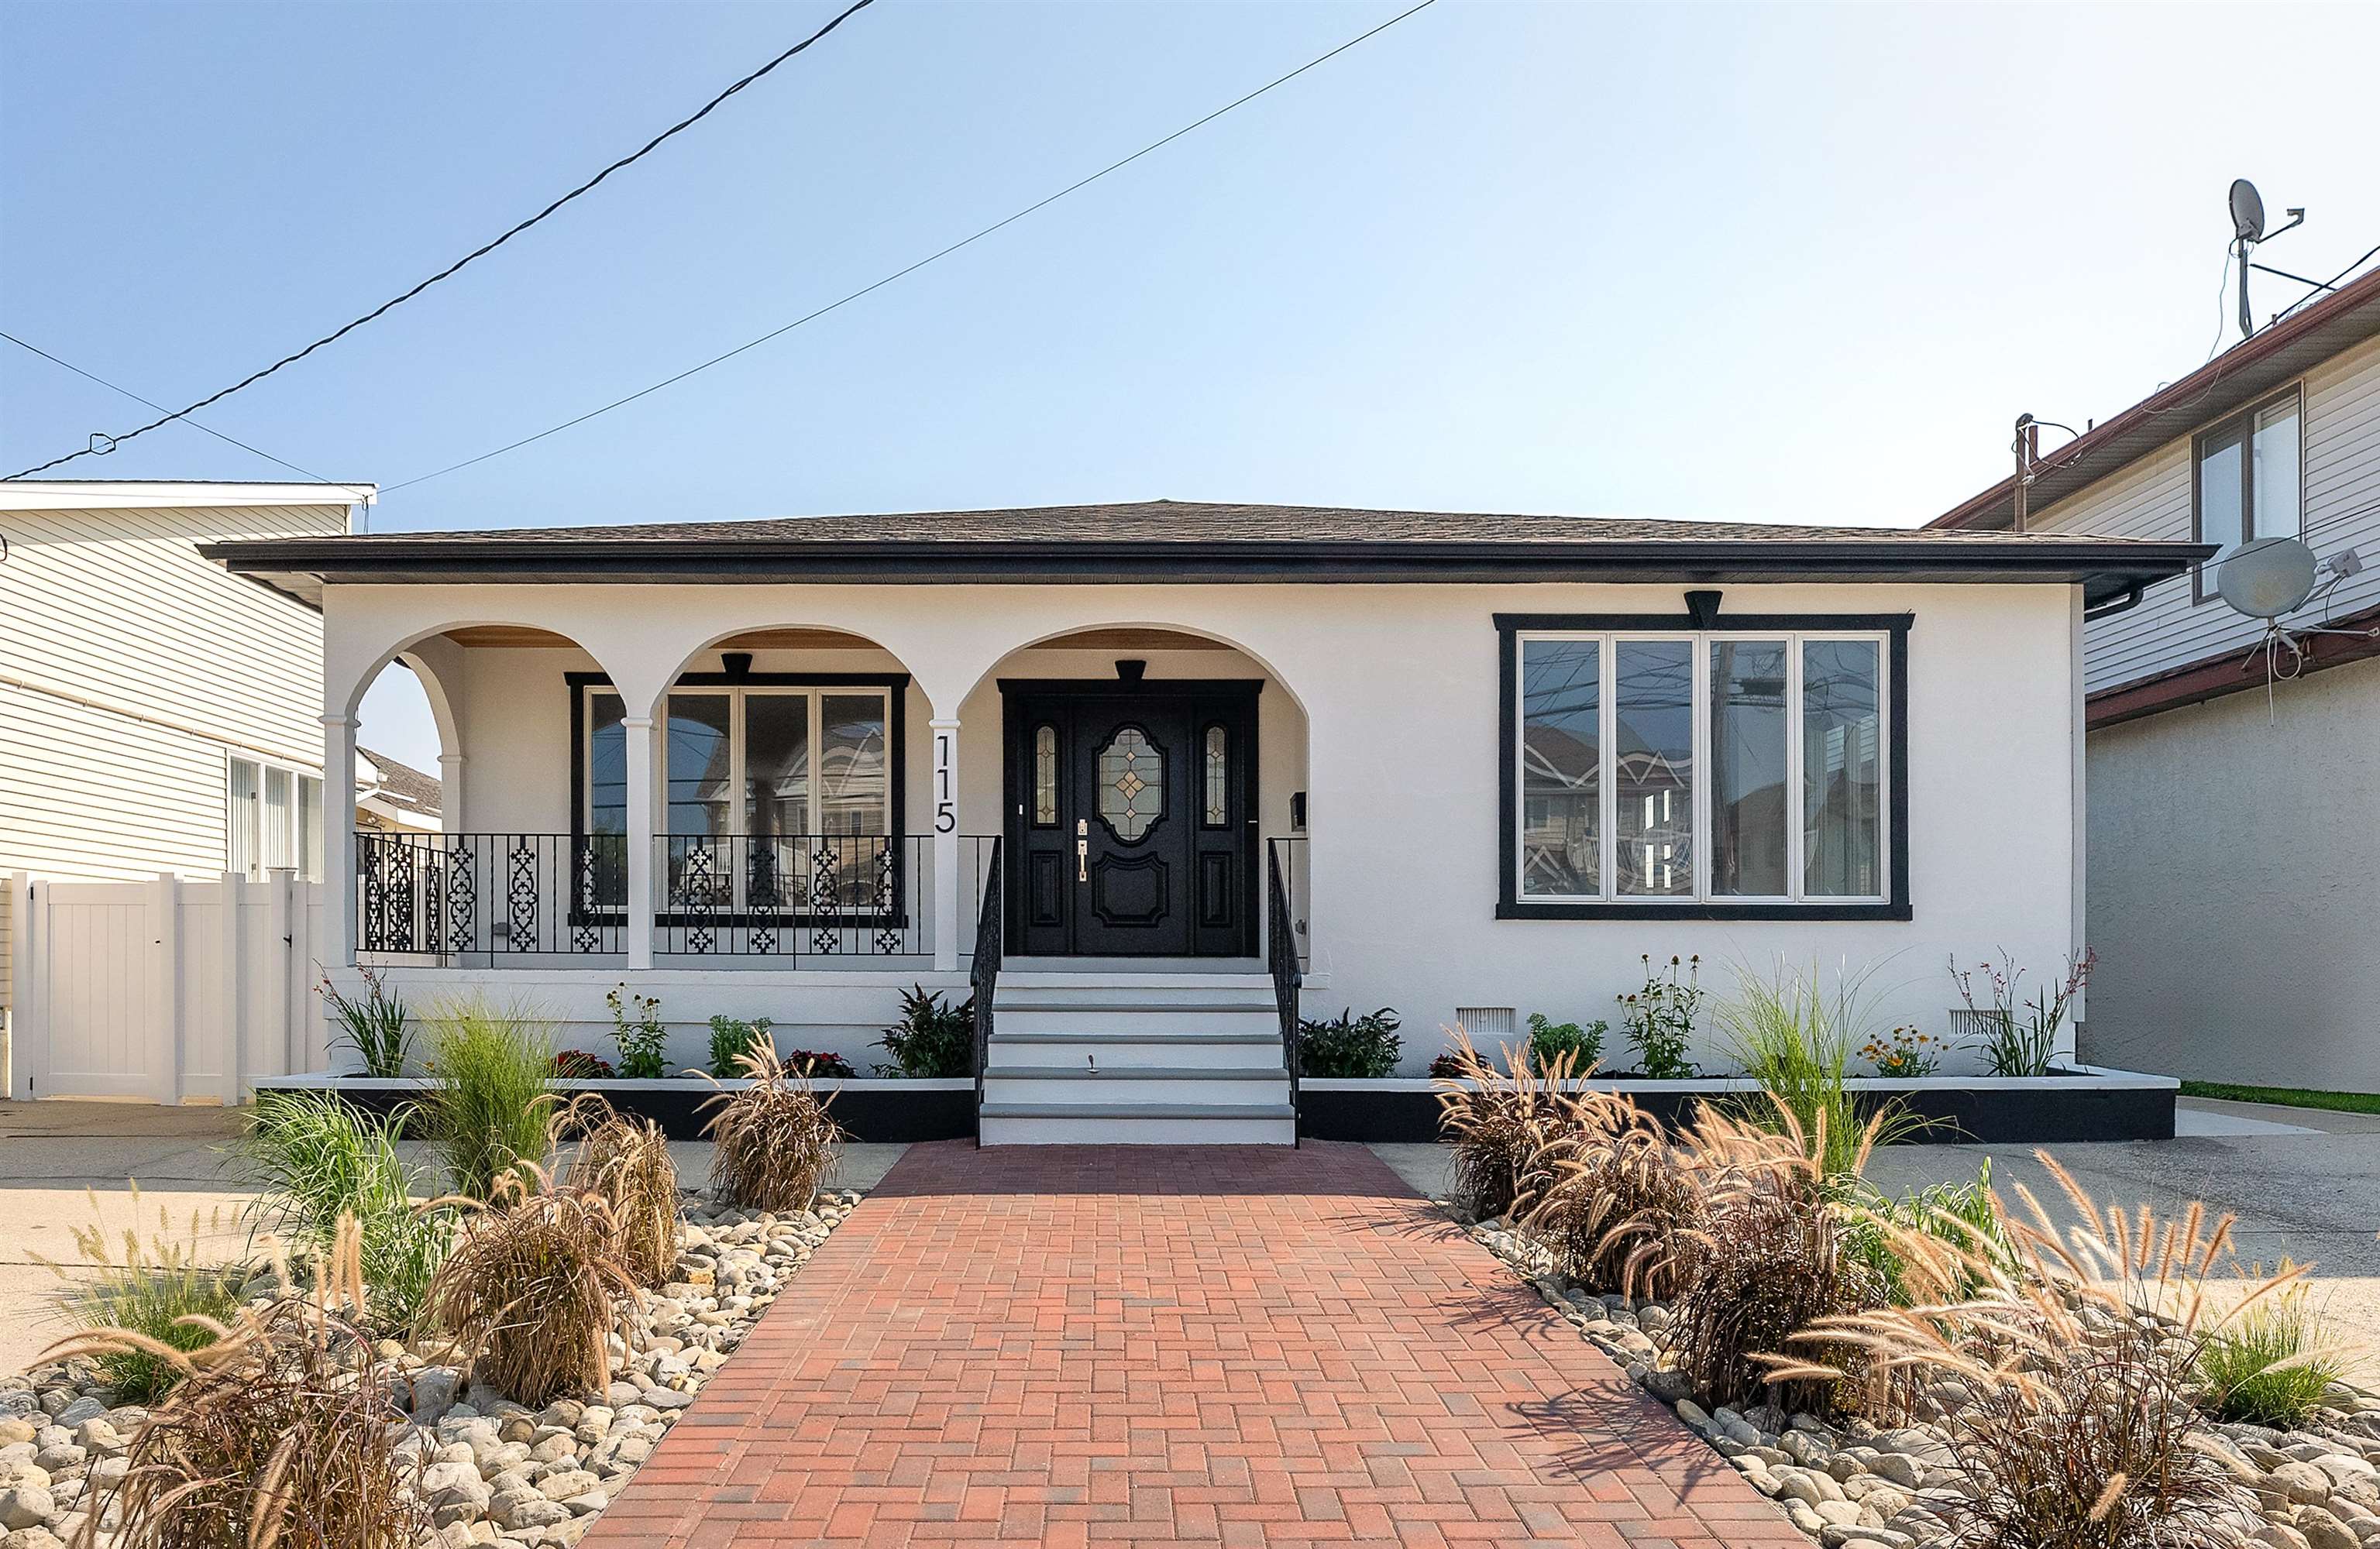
column 947, row 880
column 339, row 840
column 637, row 735
column 450, row 793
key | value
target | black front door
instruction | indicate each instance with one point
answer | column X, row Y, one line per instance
column 1131, row 818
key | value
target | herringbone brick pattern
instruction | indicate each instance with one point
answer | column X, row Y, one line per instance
column 1163, row 1345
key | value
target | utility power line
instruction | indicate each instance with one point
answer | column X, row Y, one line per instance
column 480, row 253
column 935, row 256
column 356, row 490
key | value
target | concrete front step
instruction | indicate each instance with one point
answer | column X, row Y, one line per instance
column 1128, row 1084
column 1131, row 1022
column 1110, row 1051
column 1137, row 1124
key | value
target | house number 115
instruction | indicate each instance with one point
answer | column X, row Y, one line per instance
column 946, row 810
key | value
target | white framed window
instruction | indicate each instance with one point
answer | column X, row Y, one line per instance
column 2248, row 480
column 274, row 819
column 1741, row 771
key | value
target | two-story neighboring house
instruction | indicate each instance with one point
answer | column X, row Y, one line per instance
column 157, row 716
column 2233, row 812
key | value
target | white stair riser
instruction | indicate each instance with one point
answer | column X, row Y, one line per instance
column 1093, row 1129
column 1115, row 1053
column 1120, row 1088
column 1132, row 983
column 1139, row 1026
column 1008, row 998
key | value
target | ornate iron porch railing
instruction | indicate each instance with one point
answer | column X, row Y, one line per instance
column 491, row 895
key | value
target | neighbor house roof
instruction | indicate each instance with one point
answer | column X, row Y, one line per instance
column 1201, row 542
column 2232, row 380
column 403, row 787
column 137, row 494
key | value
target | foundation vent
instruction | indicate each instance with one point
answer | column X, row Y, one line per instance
column 1489, row 1025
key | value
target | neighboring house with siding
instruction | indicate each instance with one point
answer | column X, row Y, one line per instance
column 157, row 715
column 2234, row 821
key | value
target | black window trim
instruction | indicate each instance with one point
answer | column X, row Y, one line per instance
column 1896, row 904
column 896, row 688
column 2242, row 424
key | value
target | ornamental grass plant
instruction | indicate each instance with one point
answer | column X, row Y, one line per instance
column 627, row 1162
column 535, row 1288
column 1613, row 1191
column 1778, row 1251
column 163, row 1291
column 278, row 1432
column 2073, row 1374
column 487, row 1112
column 774, row 1143
column 2273, row 1364
column 321, row 1162
column 1497, row 1122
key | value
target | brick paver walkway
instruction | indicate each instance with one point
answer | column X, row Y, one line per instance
column 1162, row 1346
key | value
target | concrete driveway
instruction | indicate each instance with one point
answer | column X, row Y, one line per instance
column 56, row 1157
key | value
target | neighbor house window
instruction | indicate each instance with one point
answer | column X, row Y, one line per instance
column 2247, row 481
column 274, row 820
column 1717, row 772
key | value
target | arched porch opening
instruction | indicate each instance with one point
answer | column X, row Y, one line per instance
column 1147, row 780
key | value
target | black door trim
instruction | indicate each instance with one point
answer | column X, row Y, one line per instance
column 1015, row 785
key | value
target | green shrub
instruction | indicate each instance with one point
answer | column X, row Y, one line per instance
column 1551, row 1040
column 731, row 1039
column 1660, row 1019
column 376, row 1026
column 932, row 1038
column 486, row 1113
column 642, row 1040
column 317, row 1159
column 149, row 1292
column 2271, row 1364
column 1348, row 1044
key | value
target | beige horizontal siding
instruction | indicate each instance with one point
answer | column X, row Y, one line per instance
column 92, row 796
column 2151, row 499
column 117, row 605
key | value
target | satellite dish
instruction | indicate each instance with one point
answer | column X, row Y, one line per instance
column 2266, row 577
column 2247, row 212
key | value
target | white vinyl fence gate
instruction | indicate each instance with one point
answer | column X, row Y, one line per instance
column 179, row 989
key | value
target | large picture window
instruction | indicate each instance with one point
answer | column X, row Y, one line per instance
column 780, row 792
column 1744, row 771
column 774, row 760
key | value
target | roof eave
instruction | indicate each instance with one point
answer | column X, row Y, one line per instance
column 303, row 566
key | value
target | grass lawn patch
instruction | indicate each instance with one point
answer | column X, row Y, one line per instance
column 2285, row 1096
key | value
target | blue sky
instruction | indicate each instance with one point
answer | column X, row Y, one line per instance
column 1771, row 262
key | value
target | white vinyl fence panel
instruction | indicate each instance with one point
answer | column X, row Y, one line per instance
column 176, row 990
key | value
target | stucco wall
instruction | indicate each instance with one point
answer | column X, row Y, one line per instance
column 2232, row 853
column 1396, row 690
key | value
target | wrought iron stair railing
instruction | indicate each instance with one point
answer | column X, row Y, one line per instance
column 983, row 972
column 1283, row 959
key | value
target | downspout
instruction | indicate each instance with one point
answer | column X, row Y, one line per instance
column 2113, row 606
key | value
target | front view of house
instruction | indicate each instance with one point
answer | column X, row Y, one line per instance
column 1153, row 777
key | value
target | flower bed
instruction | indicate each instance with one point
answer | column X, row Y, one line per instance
column 869, row 1109
column 2087, row 1103
column 1853, row 1483
column 495, row 1472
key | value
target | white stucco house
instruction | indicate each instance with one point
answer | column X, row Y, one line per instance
column 1184, row 764
column 2234, row 812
